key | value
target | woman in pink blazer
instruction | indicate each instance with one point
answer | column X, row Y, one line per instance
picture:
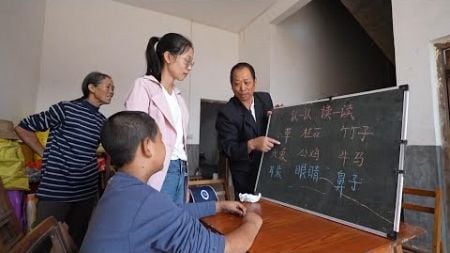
column 155, row 93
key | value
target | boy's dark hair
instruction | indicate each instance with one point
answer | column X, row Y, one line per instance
column 242, row 65
column 123, row 132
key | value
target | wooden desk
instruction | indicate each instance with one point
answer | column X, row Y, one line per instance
column 287, row 230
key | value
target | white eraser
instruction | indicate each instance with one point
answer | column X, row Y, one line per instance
column 247, row 197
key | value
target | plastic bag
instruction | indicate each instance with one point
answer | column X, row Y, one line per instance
column 16, row 199
column 12, row 170
column 42, row 138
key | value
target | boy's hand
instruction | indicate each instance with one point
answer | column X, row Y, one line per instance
column 231, row 207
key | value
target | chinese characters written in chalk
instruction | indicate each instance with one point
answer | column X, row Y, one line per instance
column 340, row 182
column 307, row 172
column 313, row 153
column 353, row 132
column 357, row 157
column 281, row 155
column 311, row 132
column 275, row 172
column 304, row 114
column 345, row 112
column 287, row 134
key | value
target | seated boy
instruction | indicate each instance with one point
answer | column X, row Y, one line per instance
column 131, row 216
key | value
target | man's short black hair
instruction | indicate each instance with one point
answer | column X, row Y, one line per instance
column 242, row 65
column 123, row 132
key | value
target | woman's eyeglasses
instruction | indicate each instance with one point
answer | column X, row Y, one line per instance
column 189, row 64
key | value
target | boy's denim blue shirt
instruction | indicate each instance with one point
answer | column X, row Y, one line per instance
column 133, row 217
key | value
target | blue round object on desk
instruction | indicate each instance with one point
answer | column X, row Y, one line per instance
column 203, row 193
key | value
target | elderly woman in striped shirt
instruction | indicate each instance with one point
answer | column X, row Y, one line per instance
column 69, row 182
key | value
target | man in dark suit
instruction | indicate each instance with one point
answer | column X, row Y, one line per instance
column 241, row 126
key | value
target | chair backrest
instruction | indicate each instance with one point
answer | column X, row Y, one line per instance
column 47, row 236
column 224, row 165
column 436, row 211
column 223, row 182
column 203, row 193
column 10, row 229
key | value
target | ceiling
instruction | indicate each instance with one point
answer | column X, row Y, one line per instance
column 230, row 15
column 375, row 16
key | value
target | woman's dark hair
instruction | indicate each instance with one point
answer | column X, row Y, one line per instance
column 173, row 43
column 242, row 65
column 94, row 78
column 123, row 132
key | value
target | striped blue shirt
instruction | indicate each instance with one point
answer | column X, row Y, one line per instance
column 69, row 163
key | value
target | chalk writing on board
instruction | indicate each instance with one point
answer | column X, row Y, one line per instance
column 306, row 171
column 313, row 153
column 340, row 182
column 354, row 182
column 304, row 114
column 327, row 112
column 356, row 132
column 287, row 134
column 275, row 172
column 311, row 132
column 357, row 158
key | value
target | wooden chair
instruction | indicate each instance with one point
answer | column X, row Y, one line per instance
column 48, row 236
column 436, row 211
column 222, row 182
column 10, row 229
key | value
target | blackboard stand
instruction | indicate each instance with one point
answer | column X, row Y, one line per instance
column 340, row 158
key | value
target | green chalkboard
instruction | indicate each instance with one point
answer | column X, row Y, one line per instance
column 340, row 158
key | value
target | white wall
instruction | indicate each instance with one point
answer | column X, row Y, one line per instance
column 21, row 26
column 320, row 51
column 82, row 36
column 294, row 61
column 417, row 24
column 216, row 51
column 256, row 44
